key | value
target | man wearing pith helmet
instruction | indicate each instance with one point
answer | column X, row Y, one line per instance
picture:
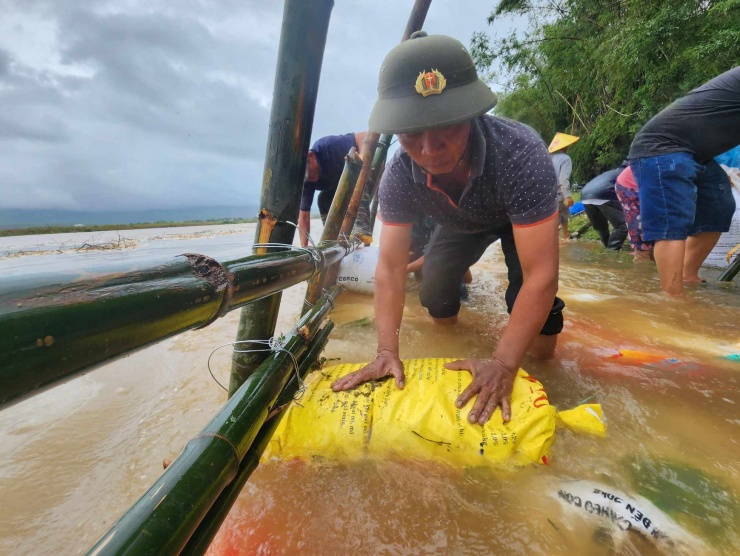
column 481, row 178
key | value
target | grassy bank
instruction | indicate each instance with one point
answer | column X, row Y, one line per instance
column 105, row 227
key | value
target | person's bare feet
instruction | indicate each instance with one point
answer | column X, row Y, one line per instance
column 642, row 256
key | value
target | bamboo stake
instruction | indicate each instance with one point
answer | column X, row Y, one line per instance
column 376, row 172
column 53, row 333
column 162, row 521
column 368, row 151
column 342, row 196
column 302, row 42
column 352, row 166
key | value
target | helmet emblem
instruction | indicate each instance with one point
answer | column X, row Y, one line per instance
column 430, row 83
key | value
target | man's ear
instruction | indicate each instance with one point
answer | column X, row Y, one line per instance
column 311, row 159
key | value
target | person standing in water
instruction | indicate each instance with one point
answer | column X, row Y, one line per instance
column 602, row 208
column 563, row 169
column 481, row 178
column 685, row 197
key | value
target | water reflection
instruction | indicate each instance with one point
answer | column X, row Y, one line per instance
column 75, row 457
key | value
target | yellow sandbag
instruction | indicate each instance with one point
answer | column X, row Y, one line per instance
column 418, row 422
column 584, row 418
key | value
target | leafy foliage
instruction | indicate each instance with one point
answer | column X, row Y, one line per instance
column 600, row 69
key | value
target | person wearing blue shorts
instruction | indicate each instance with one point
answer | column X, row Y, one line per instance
column 685, row 197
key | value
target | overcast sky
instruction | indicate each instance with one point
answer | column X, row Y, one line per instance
column 134, row 104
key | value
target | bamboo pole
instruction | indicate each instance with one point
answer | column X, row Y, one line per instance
column 416, row 18
column 301, row 52
column 162, row 521
column 206, row 531
column 352, row 166
column 374, row 210
column 376, row 172
column 368, row 152
column 55, row 332
column 342, row 196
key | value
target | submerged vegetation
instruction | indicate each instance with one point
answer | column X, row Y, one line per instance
column 600, row 69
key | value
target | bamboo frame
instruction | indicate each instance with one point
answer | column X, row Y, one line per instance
column 56, row 332
column 163, row 520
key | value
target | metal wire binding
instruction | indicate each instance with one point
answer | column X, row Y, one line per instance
column 325, row 292
column 316, row 251
column 304, row 232
column 274, row 345
column 316, row 255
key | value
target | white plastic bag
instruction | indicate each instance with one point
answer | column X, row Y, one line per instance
column 357, row 270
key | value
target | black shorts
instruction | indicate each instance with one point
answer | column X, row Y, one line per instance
column 450, row 253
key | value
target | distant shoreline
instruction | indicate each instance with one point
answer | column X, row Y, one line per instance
column 37, row 230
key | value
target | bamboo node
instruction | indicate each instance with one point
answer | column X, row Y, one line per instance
column 215, row 274
column 304, row 333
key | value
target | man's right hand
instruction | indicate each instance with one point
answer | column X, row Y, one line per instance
column 385, row 364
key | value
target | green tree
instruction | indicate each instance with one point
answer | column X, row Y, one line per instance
column 600, row 69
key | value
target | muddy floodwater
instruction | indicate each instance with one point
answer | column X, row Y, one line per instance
column 73, row 458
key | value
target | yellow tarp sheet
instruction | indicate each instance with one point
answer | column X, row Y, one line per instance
column 420, row 421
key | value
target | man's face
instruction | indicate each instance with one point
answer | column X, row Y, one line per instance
column 437, row 150
column 312, row 168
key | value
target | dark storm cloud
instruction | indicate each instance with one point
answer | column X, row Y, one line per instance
column 133, row 104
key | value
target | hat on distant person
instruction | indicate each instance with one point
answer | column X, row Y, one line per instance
column 428, row 81
column 560, row 141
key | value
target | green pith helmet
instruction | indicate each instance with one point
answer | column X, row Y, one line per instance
column 427, row 82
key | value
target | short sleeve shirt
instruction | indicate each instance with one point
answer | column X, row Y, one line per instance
column 512, row 181
column 330, row 152
column 705, row 122
column 563, row 168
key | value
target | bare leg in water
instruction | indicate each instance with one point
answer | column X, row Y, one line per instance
column 698, row 248
column 669, row 256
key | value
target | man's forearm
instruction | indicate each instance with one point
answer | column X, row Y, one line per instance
column 390, row 296
column 304, row 225
column 531, row 309
column 565, row 189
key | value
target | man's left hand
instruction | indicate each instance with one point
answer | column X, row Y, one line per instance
column 492, row 383
column 568, row 201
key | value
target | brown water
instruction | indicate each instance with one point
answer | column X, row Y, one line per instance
column 74, row 458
